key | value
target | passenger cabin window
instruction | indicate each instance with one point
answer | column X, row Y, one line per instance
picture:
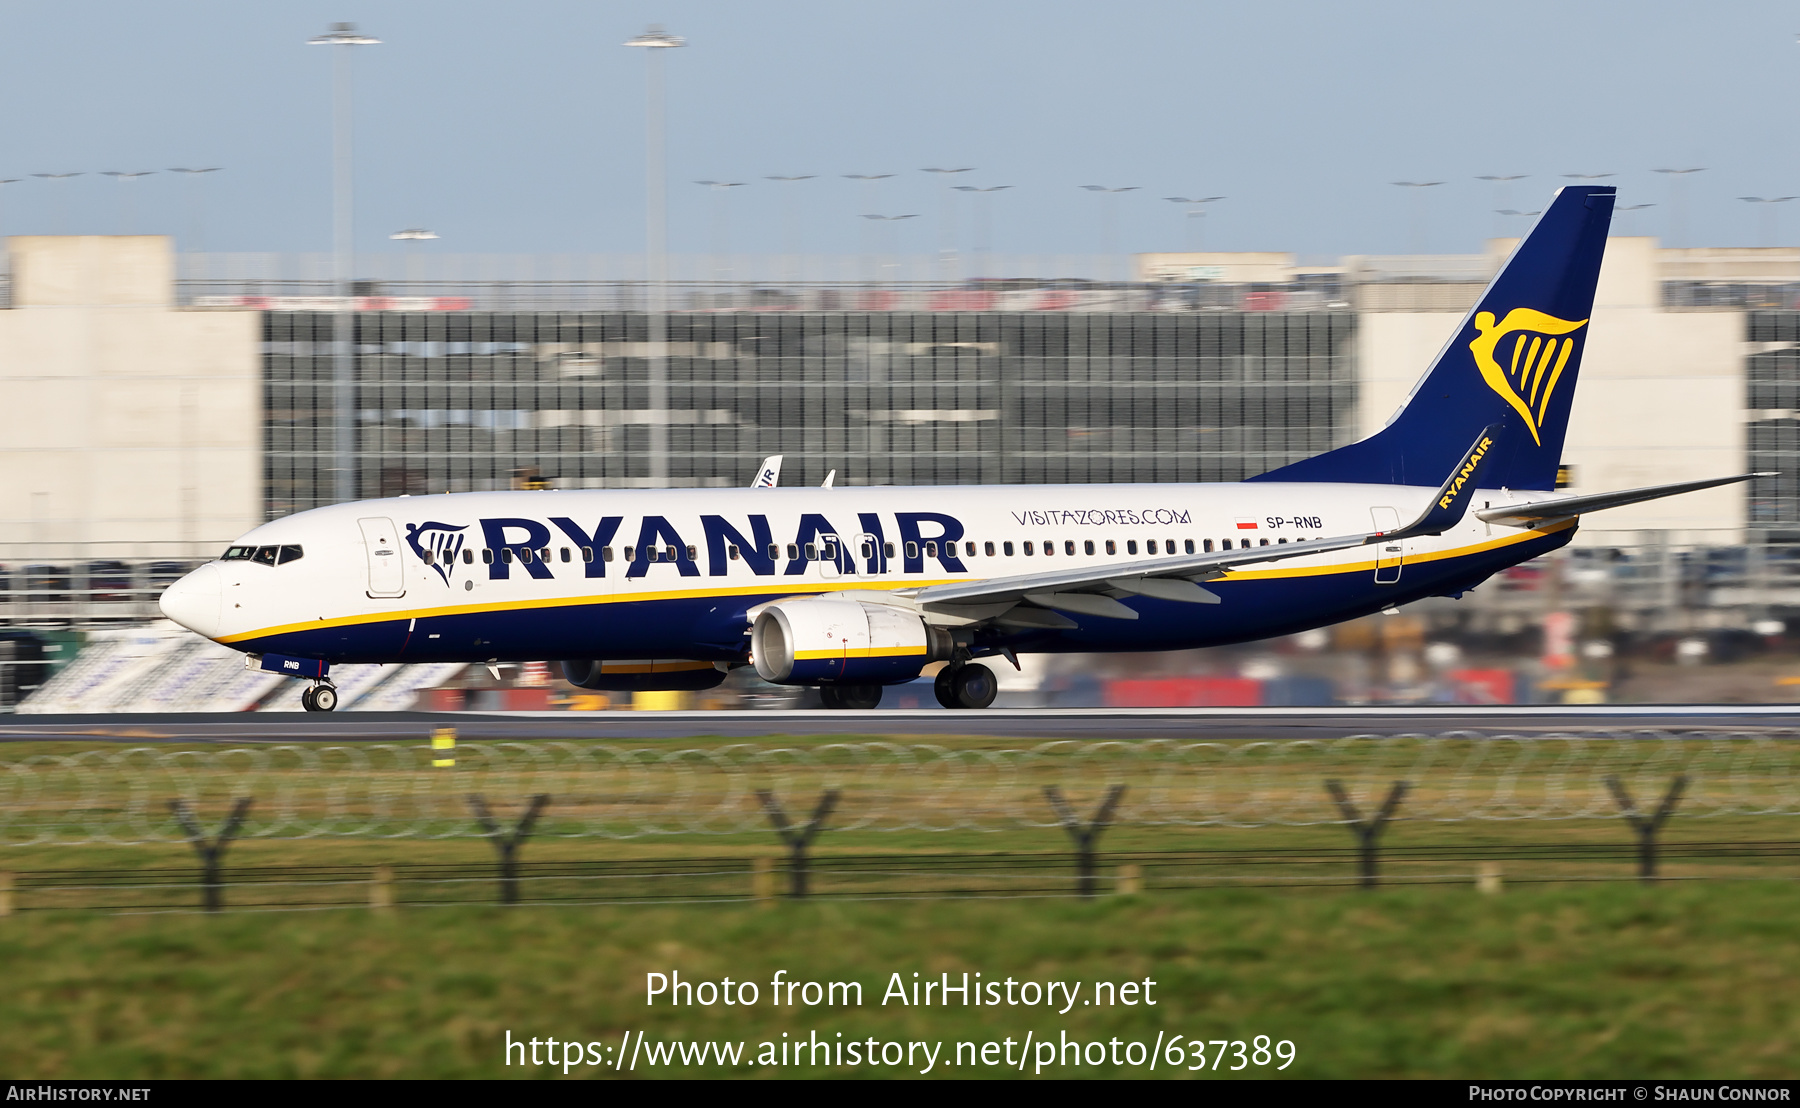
column 239, row 554
column 1049, row 547
column 1069, row 547
column 1150, row 547
column 1007, row 548
column 812, row 552
column 793, row 552
column 912, row 550
column 1208, row 545
column 506, row 555
column 265, row 555
column 429, row 558
column 1131, row 546
column 468, row 557
column 969, row 549
column 631, row 553
column 565, row 553
column 1188, row 545
column 988, row 549
column 887, row 550
column 606, row 554
column 774, row 552
column 587, row 554
column 1028, row 550
column 1262, row 542
column 524, row 555
column 931, row 550
column 868, row 550
column 731, row 552
column 693, row 553
column 1227, row 544
column 1112, row 547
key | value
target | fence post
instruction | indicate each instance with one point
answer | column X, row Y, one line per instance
column 507, row 842
column 1085, row 835
column 381, row 889
column 6, row 894
column 211, row 851
column 1367, row 832
column 798, row 838
column 1647, row 828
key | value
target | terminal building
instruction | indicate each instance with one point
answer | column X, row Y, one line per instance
column 156, row 405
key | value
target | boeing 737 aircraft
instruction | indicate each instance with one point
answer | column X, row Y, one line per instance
column 853, row 588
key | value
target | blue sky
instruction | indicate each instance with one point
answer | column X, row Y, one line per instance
column 519, row 128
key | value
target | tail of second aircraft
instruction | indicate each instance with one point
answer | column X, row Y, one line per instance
column 1513, row 361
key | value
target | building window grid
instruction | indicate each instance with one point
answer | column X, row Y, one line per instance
column 460, row 401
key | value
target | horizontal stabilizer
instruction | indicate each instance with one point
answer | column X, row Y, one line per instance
column 1564, row 506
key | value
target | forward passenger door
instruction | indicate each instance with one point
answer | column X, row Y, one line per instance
column 381, row 545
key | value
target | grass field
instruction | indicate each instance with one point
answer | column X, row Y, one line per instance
column 1676, row 980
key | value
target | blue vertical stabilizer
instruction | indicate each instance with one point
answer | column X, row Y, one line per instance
column 1514, row 361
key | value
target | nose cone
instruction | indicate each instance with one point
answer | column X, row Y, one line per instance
column 194, row 601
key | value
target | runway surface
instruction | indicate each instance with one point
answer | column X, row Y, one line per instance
column 1013, row 724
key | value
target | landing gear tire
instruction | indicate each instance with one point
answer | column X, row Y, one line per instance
column 319, row 698
column 859, row 698
column 966, row 686
column 943, row 689
column 830, row 696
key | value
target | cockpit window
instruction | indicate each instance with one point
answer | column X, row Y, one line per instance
column 265, row 555
column 291, row 554
column 239, row 554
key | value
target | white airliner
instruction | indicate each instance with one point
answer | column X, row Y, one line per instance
column 853, row 588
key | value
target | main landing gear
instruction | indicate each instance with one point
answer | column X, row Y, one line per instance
column 319, row 698
column 855, row 697
column 969, row 685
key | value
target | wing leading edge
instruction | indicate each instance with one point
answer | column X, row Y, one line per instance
column 1078, row 590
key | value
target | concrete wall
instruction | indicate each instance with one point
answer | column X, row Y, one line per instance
column 1660, row 399
column 128, row 428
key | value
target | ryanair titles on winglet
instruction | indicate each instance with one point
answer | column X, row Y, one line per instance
column 510, row 542
column 1468, row 469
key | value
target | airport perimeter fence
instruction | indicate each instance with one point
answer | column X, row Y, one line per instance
column 1610, row 795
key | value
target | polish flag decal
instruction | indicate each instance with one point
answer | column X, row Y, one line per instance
column 1244, row 524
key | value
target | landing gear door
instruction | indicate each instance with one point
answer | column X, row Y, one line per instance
column 1389, row 556
column 381, row 542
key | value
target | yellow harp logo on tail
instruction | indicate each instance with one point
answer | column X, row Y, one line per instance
column 1534, row 351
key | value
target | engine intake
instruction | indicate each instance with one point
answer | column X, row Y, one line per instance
column 830, row 641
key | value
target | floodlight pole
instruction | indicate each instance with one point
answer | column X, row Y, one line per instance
column 342, row 36
column 654, row 42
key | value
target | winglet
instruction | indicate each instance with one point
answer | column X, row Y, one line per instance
column 768, row 475
column 1452, row 500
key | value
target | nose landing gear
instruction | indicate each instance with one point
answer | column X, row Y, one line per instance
column 319, row 698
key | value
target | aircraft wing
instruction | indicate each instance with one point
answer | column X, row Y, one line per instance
column 1562, row 507
column 1082, row 589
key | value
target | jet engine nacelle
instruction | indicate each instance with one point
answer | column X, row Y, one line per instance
column 643, row 675
column 825, row 640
